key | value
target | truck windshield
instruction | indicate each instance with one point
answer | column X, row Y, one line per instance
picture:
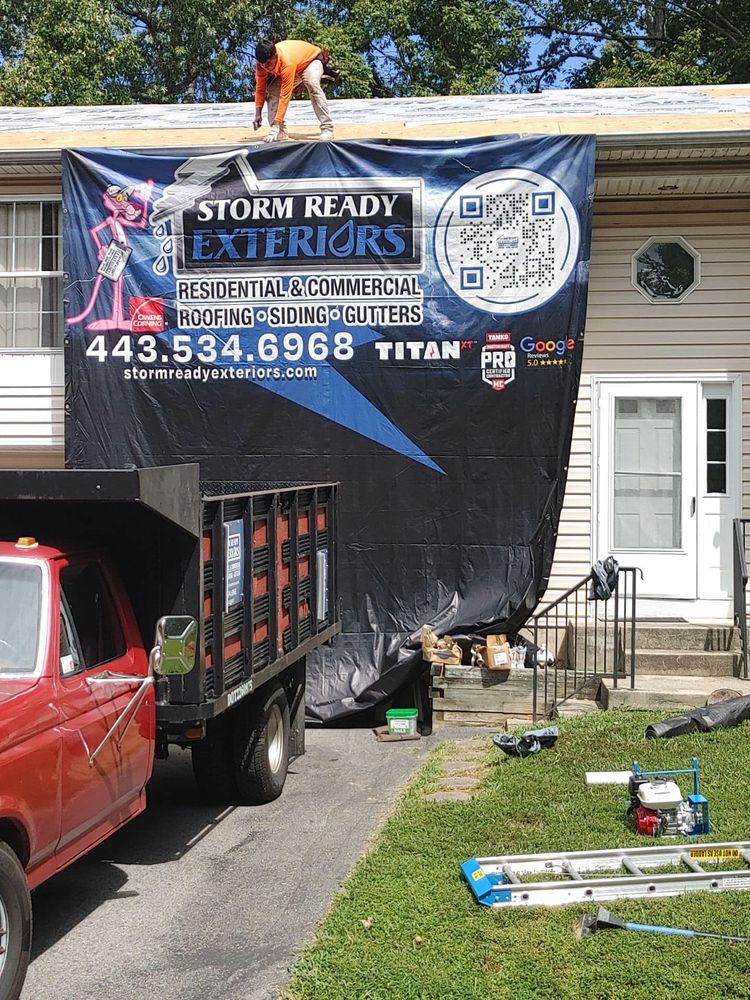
column 20, row 616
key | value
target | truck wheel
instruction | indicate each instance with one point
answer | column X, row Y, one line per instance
column 15, row 924
column 212, row 762
column 261, row 747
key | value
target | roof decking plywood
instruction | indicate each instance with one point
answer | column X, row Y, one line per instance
column 658, row 112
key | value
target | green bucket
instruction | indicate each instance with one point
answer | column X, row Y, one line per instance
column 402, row 721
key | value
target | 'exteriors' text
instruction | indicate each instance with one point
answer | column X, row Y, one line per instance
column 350, row 231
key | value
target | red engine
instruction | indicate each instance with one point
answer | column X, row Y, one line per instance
column 646, row 821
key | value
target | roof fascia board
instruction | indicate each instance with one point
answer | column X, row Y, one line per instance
column 605, row 142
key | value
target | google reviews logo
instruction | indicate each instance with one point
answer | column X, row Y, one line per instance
column 546, row 353
column 559, row 347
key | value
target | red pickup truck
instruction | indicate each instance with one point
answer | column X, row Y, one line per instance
column 236, row 582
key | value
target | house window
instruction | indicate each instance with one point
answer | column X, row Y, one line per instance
column 30, row 275
column 716, row 445
column 666, row 269
column 648, row 474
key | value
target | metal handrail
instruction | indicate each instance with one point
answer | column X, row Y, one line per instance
column 607, row 646
column 739, row 561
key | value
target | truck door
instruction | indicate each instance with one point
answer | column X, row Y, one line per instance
column 98, row 636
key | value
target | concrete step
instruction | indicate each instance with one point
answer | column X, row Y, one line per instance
column 711, row 638
column 694, row 663
column 681, row 638
column 668, row 692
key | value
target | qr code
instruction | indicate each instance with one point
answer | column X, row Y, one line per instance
column 515, row 248
column 508, row 239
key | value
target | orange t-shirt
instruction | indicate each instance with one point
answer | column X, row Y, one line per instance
column 292, row 58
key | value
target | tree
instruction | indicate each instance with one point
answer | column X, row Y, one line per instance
column 113, row 51
column 170, row 51
column 632, row 43
column 415, row 48
column 200, row 50
column 118, row 51
column 680, row 65
column 64, row 52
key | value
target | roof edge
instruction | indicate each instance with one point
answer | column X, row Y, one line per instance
column 604, row 141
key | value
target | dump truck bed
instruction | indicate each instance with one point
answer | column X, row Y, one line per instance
column 254, row 563
column 269, row 606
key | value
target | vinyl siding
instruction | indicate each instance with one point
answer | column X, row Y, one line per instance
column 31, row 405
column 707, row 332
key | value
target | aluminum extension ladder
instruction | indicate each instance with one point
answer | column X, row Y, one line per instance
column 499, row 882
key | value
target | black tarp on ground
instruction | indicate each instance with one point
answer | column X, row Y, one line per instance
column 404, row 317
column 722, row 715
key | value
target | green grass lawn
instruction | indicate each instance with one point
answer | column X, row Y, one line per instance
column 409, row 884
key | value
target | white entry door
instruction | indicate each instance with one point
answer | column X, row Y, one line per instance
column 648, row 483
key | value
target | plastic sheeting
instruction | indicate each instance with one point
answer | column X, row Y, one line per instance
column 722, row 715
column 403, row 317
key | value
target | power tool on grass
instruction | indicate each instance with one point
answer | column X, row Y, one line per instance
column 657, row 805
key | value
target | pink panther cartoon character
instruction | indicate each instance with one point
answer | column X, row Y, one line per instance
column 123, row 212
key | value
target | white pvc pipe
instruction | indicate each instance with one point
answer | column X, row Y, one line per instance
column 608, row 777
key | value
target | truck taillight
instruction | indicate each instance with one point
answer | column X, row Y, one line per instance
column 26, row 542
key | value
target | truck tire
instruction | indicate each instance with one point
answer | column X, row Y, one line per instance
column 15, row 924
column 261, row 746
column 213, row 762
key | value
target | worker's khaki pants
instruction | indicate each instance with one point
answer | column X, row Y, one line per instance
column 310, row 77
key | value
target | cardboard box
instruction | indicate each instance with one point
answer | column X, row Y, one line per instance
column 496, row 653
column 436, row 650
column 449, row 657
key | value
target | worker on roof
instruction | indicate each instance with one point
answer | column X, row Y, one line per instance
column 279, row 69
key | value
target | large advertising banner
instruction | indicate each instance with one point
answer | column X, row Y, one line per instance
column 403, row 317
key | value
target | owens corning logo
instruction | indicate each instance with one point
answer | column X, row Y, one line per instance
column 225, row 219
column 498, row 360
column 146, row 314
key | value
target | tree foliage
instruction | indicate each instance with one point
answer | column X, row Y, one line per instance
column 167, row 51
column 633, row 43
column 64, row 52
column 424, row 47
column 109, row 51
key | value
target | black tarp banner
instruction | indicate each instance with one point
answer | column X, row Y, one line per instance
column 403, row 317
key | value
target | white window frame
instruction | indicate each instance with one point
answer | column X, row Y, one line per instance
column 39, row 198
column 665, row 239
column 729, row 389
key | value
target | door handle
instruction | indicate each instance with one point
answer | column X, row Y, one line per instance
column 692, row 507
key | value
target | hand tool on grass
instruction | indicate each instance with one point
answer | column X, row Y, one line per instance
column 606, row 921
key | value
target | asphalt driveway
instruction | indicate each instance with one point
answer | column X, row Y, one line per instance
column 196, row 902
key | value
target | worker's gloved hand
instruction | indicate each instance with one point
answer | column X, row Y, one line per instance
column 258, row 121
column 273, row 135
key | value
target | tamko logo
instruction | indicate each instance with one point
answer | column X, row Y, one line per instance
column 498, row 360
